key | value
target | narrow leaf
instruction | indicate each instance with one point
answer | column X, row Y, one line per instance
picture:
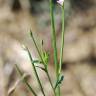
column 59, row 81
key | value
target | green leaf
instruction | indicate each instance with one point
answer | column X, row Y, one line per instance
column 59, row 81
column 45, row 56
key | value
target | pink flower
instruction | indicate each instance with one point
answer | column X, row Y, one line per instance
column 61, row 2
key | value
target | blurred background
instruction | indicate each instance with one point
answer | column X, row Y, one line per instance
column 17, row 17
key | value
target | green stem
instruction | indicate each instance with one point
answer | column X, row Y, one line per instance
column 50, row 82
column 35, row 45
column 37, row 77
column 54, row 45
column 43, row 62
column 62, row 42
column 54, row 37
column 28, row 85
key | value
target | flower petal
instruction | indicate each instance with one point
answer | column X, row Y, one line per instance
column 60, row 2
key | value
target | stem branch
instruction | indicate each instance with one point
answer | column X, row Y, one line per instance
column 35, row 72
column 28, row 85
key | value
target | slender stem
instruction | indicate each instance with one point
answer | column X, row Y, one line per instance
column 36, row 45
column 54, row 46
column 62, row 42
column 28, row 85
column 43, row 62
column 62, row 46
column 54, row 37
column 50, row 81
column 37, row 77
